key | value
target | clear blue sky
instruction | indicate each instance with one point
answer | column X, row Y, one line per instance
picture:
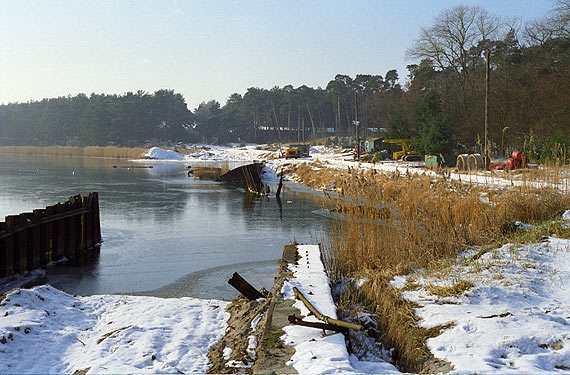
column 210, row 49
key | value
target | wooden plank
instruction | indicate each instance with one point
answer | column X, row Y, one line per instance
column 88, row 241
column 22, row 249
column 59, row 232
column 7, row 250
column 48, row 238
column 71, row 231
column 96, row 218
column 35, row 237
column 6, row 256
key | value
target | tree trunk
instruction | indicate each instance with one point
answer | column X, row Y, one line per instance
column 312, row 123
column 337, row 118
column 348, row 128
column 289, row 117
column 298, row 122
column 276, row 122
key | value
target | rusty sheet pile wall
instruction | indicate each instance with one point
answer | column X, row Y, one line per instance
column 32, row 240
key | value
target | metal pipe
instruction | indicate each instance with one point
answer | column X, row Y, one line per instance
column 324, row 318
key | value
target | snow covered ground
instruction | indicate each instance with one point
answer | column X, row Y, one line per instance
column 514, row 320
column 317, row 353
column 44, row 330
column 334, row 157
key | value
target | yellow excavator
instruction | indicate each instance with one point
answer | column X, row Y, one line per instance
column 406, row 144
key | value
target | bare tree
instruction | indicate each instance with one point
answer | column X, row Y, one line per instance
column 555, row 26
column 457, row 35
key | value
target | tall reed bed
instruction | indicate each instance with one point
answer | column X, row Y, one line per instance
column 389, row 224
column 93, row 151
column 400, row 221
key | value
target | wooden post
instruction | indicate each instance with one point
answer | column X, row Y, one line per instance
column 22, row 247
column 70, row 230
column 96, row 219
column 280, row 185
column 82, row 221
column 60, row 232
column 36, row 238
column 88, row 241
column 7, row 253
column 49, row 243
column 244, row 287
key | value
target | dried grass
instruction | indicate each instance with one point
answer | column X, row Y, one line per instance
column 392, row 223
column 92, row 151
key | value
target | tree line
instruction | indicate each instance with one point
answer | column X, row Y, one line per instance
column 442, row 102
column 130, row 119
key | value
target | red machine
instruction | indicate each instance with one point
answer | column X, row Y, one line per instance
column 517, row 160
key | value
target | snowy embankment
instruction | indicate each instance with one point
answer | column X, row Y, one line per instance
column 316, row 353
column 336, row 158
column 44, row 330
column 514, row 320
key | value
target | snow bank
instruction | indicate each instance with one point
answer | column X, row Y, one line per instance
column 44, row 330
column 514, row 320
column 335, row 158
column 316, row 353
column 158, row 153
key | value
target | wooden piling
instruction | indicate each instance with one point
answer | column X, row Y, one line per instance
column 244, row 287
column 31, row 240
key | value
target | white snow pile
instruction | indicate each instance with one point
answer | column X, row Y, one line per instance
column 158, row 153
column 44, row 330
column 213, row 153
column 515, row 319
column 315, row 352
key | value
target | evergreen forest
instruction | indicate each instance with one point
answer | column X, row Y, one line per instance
column 441, row 100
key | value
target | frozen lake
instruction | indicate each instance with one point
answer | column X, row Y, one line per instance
column 164, row 234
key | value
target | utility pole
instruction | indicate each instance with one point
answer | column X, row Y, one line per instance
column 486, row 156
column 356, row 124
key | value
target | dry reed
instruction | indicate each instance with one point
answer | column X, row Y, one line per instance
column 392, row 223
column 92, row 151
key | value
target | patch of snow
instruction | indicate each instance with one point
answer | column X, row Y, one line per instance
column 514, row 320
column 227, row 353
column 162, row 154
column 251, row 346
column 255, row 321
column 522, row 226
column 315, row 352
column 239, row 364
column 566, row 215
column 49, row 331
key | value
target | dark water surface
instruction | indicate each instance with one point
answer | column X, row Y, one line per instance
column 164, row 234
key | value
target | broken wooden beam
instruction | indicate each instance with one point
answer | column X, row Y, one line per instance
column 322, row 317
column 324, row 326
column 244, row 287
